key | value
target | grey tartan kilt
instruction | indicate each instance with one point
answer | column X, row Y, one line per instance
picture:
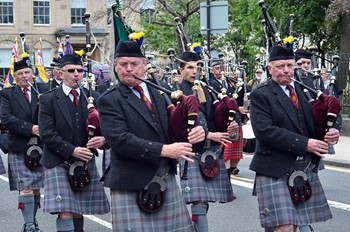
column 59, row 196
column 2, row 167
column 127, row 216
column 20, row 176
column 276, row 206
column 200, row 188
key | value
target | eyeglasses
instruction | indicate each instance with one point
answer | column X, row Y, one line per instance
column 72, row 70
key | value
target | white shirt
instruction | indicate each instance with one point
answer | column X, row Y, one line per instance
column 67, row 92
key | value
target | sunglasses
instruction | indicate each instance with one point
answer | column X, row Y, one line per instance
column 72, row 70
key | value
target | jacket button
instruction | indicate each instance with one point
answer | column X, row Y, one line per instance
column 146, row 150
column 142, row 155
column 266, row 211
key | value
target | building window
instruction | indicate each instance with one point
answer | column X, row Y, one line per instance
column 6, row 11
column 147, row 15
column 78, row 9
column 5, row 62
column 41, row 12
column 3, row 74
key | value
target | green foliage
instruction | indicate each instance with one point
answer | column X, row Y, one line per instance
column 245, row 37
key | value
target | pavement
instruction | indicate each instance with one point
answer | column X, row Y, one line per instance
column 341, row 158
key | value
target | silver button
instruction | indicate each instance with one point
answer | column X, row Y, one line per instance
column 266, row 211
column 58, row 198
column 187, row 189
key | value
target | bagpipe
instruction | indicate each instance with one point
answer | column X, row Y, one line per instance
column 79, row 176
column 181, row 36
column 325, row 108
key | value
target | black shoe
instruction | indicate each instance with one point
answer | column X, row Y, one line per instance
column 235, row 171
column 29, row 227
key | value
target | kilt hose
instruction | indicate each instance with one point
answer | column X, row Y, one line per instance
column 277, row 208
column 200, row 188
column 234, row 150
column 60, row 197
column 127, row 216
column 20, row 176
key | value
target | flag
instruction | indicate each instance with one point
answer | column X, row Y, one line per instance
column 41, row 71
column 60, row 50
column 14, row 58
column 121, row 30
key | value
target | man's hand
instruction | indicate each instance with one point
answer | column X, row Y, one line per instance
column 317, row 147
column 96, row 142
column 242, row 110
column 196, row 135
column 332, row 136
column 219, row 137
column 35, row 130
column 178, row 151
column 232, row 127
column 82, row 153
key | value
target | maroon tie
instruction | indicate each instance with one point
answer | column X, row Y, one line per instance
column 293, row 96
column 75, row 97
column 143, row 96
column 25, row 91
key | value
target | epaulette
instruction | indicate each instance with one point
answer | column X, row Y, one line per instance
column 109, row 90
column 11, row 86
column 262, row 85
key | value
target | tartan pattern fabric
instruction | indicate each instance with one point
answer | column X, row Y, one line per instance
column 200, row 188
column 20, row 176
column 75, row 97
column 143, row 96
column 234, row 150
column 276, row 206
column 127, row 216
column 59, row 196
column 293, row 96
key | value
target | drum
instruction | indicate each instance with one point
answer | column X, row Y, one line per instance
column 248, row 138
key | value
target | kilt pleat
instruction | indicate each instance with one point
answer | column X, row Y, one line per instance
column 200, row 188
column 20, row 176
column 234, row 150
column 2, row 167
column 276, row 206
column 59, row 196
column 127, row 216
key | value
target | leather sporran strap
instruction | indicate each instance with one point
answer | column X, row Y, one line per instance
column 299, row 187
column 79, row 176
column 209, row 164
column 33, row 154
column 151, row 198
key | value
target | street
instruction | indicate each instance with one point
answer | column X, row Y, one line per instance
column 240, row 215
